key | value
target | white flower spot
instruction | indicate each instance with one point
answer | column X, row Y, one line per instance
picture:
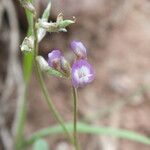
column 82, row 74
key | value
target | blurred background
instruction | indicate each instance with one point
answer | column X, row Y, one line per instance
column 117, row 36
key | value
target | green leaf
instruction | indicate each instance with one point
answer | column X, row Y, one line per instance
column 54, row 72
column 91, row 129
column 46, row 12
column 27, row 69
column 28, row 57
column 27, row 66
column 65, row 23
column 40, row 145
column 45, row 16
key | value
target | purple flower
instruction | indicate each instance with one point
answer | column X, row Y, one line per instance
column 79, row 49
column 54, row 58
column 82, row 73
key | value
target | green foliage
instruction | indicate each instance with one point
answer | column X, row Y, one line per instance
column 54, row 72
column 46, row 12
column 91, row 129
column 40, row 145
column 27, row 69
column 27, row 4
column 65, row 23
column 45, row 16
column 28, row 57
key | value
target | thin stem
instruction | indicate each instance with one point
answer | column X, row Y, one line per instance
column 50, row 104
column 43, row 86
column 74, row 91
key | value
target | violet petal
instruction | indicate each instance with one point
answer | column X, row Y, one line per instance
column 82, row 73
column 79, row 49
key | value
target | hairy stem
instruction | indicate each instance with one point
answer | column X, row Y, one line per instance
column 43, row 86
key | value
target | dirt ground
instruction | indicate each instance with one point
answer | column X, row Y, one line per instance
column 117, row 36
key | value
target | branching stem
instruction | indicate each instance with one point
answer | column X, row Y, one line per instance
column 43, row 86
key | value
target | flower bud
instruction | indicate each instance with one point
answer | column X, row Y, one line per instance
column 27, row 44
column 79, row 49
column 54, row 59
column 42, row 63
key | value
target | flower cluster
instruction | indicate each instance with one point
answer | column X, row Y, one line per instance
column 81, row 72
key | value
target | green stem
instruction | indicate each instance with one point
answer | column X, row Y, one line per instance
column 20, row 122
column 43, row 86
column 74, row 91
column 22, row 110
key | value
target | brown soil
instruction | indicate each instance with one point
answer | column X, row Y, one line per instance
column 117, row 36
